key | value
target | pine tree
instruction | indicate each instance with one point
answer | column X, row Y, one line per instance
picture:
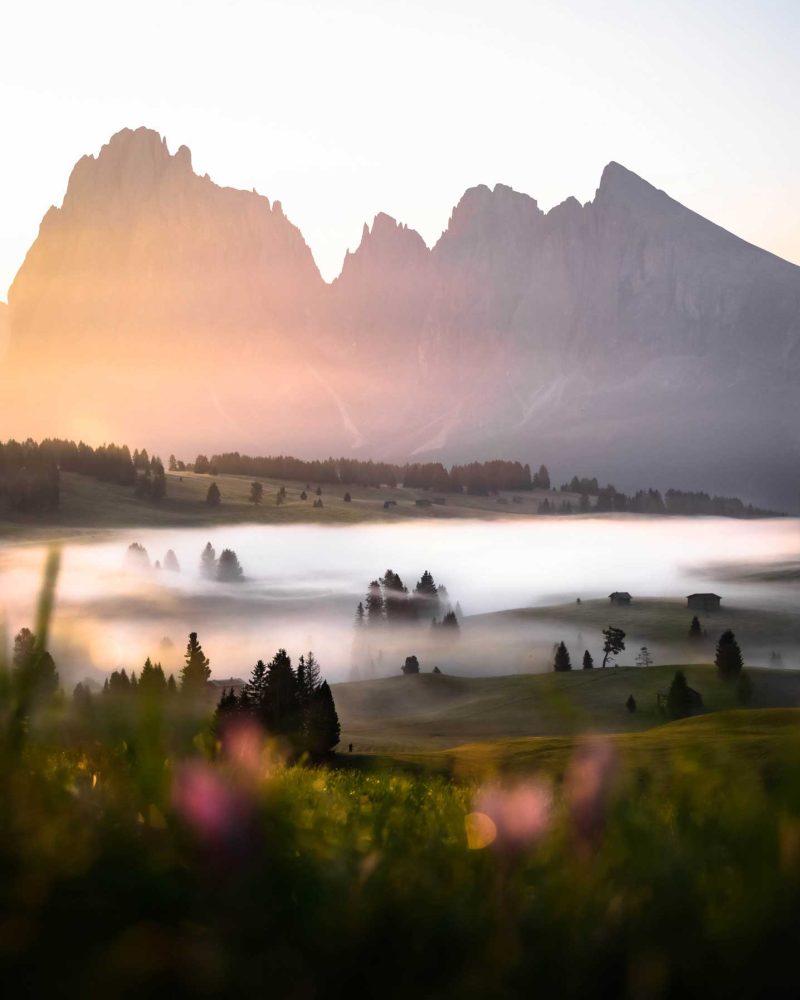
column 171, row 562
column 561, row 661
column 196, row 671
column 256, row 493
column 313, row 675
column 375, row 604
column 695, row 629
column 679, row 697
column 208, row 562
column 213, row 497
column 588, row 662
column 450, row 620
column 279, row 709
column 643, row 658
column 152, row 681
column 172, row 687
column 360, row 615
column 630, row 704
column 228, row 568
column 256, row 686
column 323, row 729
column 729, row 657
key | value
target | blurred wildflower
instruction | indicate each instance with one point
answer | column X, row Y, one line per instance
column 587, row 787
column 510, row 816
column 252, row 756
column 216, row 811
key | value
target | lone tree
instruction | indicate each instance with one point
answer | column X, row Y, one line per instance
column 256, row 492
column 228, row 568
column 411, row 666
column 695, row 629
column 729, row 657
column 208, row 562
column 196, row 671
column 613, row 644
column 679, row 697
column 347, row 498
column 630, row 704
column 588, row 662
column 562, row 662
column 643, row 658
column 171, row 562
column 213, row 497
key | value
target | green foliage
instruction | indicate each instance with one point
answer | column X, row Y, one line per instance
column 680, row 702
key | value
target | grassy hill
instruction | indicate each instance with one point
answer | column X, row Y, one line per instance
column 766, row 738
column 87, row 504
column 434, row 712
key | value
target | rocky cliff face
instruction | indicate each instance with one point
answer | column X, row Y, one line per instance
column 628, row 336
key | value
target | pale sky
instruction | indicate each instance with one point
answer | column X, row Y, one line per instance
column 344, row 108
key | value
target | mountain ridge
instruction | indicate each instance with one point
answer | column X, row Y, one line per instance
column 627, row 333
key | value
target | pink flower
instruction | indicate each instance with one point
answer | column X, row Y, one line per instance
column 511, row 817
column 588, row 785
column 216, row 812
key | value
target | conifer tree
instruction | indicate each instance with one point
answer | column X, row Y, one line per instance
column 228, row 567
column 213, row 496
column 256, row 493
column 695, row 629
column 360, row 615
column 588, row 662
column 729, row 657
column 323, row 722
column 679, row 697
column 208, row 562
column 561, row 661
column 171, row 562
column 196, row 671
column 630, row 704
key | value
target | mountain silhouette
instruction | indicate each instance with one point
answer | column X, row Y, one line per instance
column 627, row 337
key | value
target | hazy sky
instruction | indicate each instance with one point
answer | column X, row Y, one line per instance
column 343, row 108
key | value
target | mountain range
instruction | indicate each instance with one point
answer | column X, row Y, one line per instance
column 627, row 337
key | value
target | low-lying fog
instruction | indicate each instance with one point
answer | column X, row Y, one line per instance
column 303, row 583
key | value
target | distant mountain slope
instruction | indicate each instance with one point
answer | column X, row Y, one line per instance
column 627, row 337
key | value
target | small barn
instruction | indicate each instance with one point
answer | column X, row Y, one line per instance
column 620, row 597
column 703, row 602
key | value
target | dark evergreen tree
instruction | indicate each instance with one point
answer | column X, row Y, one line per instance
column 450, row 621
column 630, row 704
column 374, row 604
column 196, row 671
column 256, row 687
column 562, row 661
column 695, row 629
column 152, row 682
column 172, row 687
column 679, row 697
column 228, row 568
column 588, row 662
column 256, row 493
column 34, row 671
column 360, row 615
column 213, row 497
column 729, row 657
column 347, row 498
column 322, row 726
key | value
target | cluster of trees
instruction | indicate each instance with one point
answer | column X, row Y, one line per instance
column 29, row 479
column 30, row 471
column 388, row 601
column 33, row 670
column 294, row 704
column 613, row 645
column 137, row 557
column 225, row 569
column 675, row 503
column 152, row 682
